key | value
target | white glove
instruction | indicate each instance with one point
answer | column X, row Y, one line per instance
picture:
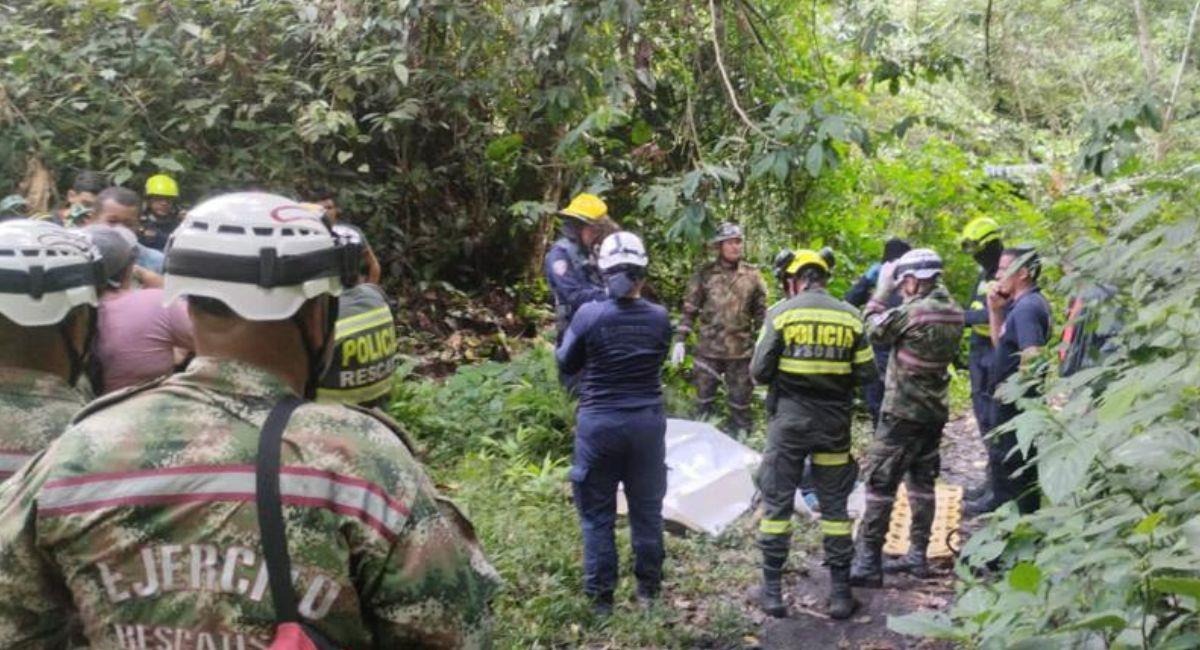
column 887, row 280
column 678, row 352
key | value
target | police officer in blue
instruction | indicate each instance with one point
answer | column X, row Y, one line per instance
column 981, row 239
column 618, row 347
column 570, row 271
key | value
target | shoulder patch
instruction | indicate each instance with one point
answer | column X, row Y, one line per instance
column 560, row 267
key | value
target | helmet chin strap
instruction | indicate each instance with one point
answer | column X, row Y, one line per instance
column 318, row 356
column 77, row 359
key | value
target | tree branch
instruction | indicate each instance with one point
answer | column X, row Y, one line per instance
column 737, row 108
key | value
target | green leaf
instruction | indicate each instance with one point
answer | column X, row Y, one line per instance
column 1025, row 576
column 927, row 624
column 343, row 156
column 814, row 159
column 401, row 71
column 1149, row 523
column 167, row 164
column 1189, row 587
column 1108, row 620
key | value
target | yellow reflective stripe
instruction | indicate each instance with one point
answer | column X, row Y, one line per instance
column 775, row 526
column 835, row 527
column 355, row 395
column 831, row 458
column 865, row 355
column 832, row 316
column 814, row 367
column 356, row 324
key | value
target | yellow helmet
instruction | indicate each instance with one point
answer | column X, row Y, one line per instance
column 978, row 232
column 162, row 185
column 806, row 257
column 586, row 207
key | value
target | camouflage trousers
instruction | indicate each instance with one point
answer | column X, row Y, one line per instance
column 795, row 433
column 709, row 373
column 901, row 448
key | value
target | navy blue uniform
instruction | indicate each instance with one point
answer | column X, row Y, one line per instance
column 858, row 295
column 575, row 281
column 1026, row 325
column 979, row 361
column 618, row 348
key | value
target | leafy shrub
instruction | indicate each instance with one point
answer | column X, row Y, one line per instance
column 1113, row 558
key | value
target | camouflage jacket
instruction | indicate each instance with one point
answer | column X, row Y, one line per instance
column 924, row 333
column 813, row 346
column 140, row 523
column 730, row 304
column 37, row 407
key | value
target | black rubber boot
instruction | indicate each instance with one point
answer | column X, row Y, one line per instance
column 915, row 562
column 866, row 571
column 771, row 598
column 647, row 595
column 602, row 604
column 841, row 599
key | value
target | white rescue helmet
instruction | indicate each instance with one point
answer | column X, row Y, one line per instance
column 622, row 249
column 921, row 263
column 45, row 272
column 261, row 254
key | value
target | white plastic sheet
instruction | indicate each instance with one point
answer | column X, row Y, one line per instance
column 709, row 477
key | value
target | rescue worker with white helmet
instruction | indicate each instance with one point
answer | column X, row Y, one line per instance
column 49, row 280
column 618, row 347
column 923, row 333
column 146, row 483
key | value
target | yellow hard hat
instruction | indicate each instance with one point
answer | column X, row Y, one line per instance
column 162, row 185
column 587, row 207
column 978, row 232
column 806, row 257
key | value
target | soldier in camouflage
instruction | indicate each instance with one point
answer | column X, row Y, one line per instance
column 812, row 354
column 48, row 296
column 140, row 523
column 727, row 297
column 923, row 333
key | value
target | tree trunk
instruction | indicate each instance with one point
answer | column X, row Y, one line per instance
column 1169, row 114
column 1149, row 65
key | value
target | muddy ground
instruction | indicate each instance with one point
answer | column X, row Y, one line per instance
column 963, row 463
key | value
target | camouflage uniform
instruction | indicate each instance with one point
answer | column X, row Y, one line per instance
column 140, row 522
column 729, row 302
column 36, row 407
column 924, row 333
column 813, row 352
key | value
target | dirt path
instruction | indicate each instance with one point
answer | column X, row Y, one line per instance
column 963, row 463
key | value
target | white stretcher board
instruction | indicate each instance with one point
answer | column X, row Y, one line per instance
column 709, row 477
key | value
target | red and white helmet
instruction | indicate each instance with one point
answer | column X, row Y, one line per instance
column 45, row 272
column 261, row 254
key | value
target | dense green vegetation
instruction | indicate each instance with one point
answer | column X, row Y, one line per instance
column 453, row 129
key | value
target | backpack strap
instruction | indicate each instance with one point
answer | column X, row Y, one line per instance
column 270, row 510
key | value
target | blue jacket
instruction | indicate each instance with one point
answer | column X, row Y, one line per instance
column 620, row 346
column 573, row 279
